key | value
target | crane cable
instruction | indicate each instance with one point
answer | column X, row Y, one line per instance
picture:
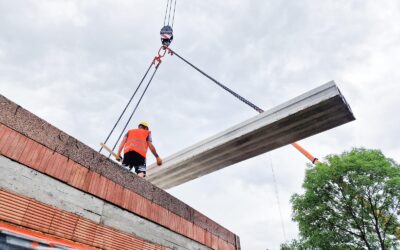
column 166, row 39
column 220, row 84
column 155, row 62
column 277, row 197
column 134, row 110
column 259, row 110
column 168, row 10
column 129, row 102
column 244, row 100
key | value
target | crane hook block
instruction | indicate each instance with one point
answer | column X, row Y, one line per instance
column 166, row 35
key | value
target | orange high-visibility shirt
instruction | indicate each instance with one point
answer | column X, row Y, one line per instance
column 137, row 141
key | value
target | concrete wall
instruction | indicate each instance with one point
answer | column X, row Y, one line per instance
column 34, row 143
column 28, row 182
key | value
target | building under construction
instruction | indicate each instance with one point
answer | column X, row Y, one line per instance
column 58, row 193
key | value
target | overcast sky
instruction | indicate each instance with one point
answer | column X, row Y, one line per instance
column 75, row 63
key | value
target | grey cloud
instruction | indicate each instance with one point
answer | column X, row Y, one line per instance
column 76, row 64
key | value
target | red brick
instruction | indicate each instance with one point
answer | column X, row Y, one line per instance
column 69, row 226
column 38, row 216
column 98, row 186
column 4, row 139
column 154, row 214
column 34, row 155
column 186, row 228
column 126, row 198
column 17, row 147
column 164, row 217
column 35, row 163
column 214, row 241
column 118, row 195
column 208, row 239
column 88, row 179
column 62, row 168
column 74, row 169
column 24, row 158
column 199, row 234
column 231, row 246
column 3, row 130
column 223, row 245
column 159, row 214
column 78, row 176
column 134, row 199
column 66, row 171
column 63, row 224
column 13, row 207
column 104, row 183
column 8, row 141
column 110, row 190
column 173, row 222
column 94, row 187
column 51, row 163
column 42, row 162
column 85, row 231
column 102, row 187
column 99, row 239
column 111, row 239
column 144, row 207
column 57, row 167
column 140, row 205
column 179, row 225
column 116, row 240
column 12, row 144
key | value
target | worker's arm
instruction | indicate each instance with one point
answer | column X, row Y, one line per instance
column 121, row 146
column 153, row 150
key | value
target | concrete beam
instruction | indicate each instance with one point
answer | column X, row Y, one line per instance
column 316, row 111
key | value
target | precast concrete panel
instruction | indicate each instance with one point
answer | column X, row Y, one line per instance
column 311, row 113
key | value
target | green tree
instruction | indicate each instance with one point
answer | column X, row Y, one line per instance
column 296, row 245
column 351, row 201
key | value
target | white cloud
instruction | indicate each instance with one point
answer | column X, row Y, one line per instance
column 76, row 64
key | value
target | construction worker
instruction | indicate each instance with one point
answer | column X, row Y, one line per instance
column 135, row 144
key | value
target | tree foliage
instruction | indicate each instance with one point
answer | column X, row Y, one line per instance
column 296, row 245
column 352, row 201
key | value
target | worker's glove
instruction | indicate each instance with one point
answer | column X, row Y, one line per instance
column 118, row 158
column 159, row 161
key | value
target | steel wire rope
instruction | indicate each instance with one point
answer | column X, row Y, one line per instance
column 277, row 197
column 302, row 150
column 220, row 84
column 134, row 110
column 173, row 15
column 255, row 107
column 129, row 102
column 169, row 13
column 166, row 11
